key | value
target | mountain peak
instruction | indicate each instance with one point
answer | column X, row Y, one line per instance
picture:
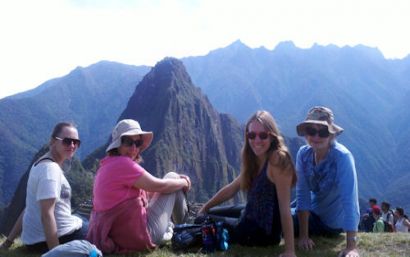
column 169, row 62
column 169, row 72
column 190, row 135
column 169, row 65
column 234, row 47
column 285, row 46
column 237, row 44
column 166, row 80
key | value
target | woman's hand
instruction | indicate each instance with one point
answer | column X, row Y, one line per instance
column 305, row 243
column 202, row 211
column 188, row 187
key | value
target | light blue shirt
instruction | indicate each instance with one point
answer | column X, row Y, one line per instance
column 330, row 188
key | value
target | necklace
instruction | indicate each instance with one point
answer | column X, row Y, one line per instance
column 318, row 157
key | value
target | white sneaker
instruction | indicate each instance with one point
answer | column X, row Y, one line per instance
column 169, row 232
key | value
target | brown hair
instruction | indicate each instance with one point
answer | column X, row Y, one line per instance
column 400, row 211
column 249, row 165
column 59, row 127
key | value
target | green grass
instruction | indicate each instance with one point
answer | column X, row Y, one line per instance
column 370, row 245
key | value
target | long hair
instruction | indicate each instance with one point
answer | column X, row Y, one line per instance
column 250, row 166
column 400, row 211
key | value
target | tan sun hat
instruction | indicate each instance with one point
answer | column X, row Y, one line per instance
column 322, row 116
column 129, row 127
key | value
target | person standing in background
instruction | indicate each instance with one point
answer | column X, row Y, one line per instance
column 402, row 222
column 378, row 226
column 388, row 216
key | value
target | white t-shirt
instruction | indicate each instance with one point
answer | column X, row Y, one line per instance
column 46, row 181
column 400, row 227
column 388, row 216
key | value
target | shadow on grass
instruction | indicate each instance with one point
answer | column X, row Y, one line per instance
column 324, row 247
column 370, row 245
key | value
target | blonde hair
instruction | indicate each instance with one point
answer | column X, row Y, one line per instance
column 250, row 166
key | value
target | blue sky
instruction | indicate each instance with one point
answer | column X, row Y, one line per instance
column 44, row 39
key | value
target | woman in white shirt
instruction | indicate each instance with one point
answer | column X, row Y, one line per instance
column 402, row 222
column 47, row 220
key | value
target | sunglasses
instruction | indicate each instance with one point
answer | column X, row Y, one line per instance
column 68, row 141
column 261, row 135
column 128, row 142
column 323, row 133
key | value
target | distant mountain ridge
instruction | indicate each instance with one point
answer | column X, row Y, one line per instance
column 366, row 92
column 369, row 94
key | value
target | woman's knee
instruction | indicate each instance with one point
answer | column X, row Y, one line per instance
column 172, row 175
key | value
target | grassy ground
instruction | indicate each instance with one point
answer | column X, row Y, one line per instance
column 370, row 245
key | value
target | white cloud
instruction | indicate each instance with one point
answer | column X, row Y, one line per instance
column 48, row 38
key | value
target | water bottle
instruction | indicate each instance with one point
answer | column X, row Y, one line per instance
column 208, row 238
column 93, row 253
column 222, row 236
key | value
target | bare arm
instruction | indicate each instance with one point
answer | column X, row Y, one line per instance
column 162, row 185
column 14, row 233
column 49, row 222
column 224, row 194
column 283, row 182
column 304, row 241
column 406, row 222
column 303, row 223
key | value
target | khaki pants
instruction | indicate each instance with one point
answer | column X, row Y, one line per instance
column 161, row 207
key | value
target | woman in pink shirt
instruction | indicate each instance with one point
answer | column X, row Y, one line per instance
column 124, row 219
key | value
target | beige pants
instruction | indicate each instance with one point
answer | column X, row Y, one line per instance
column 161, row 207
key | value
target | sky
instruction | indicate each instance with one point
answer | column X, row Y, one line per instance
column 44, row 39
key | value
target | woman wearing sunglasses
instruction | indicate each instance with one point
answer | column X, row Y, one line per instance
column 326, row 190
column 267, row 175
column 47, row 220
column 124, row 217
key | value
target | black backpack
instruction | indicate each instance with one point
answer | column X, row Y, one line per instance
column 210, row 236
column 186, row 236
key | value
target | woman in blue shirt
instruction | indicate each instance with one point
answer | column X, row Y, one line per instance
column 326, row 189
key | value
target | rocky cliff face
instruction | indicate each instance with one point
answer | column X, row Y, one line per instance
column 190, row 136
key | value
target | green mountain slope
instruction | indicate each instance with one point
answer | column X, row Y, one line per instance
column 91, row 97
